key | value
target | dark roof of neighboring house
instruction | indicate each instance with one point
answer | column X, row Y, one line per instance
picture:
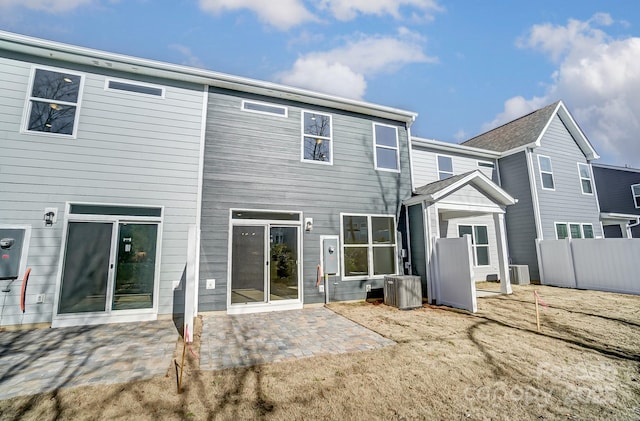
column 522, row 131
column 436, row 186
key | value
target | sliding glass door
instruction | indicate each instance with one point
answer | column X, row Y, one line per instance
column 108, row 266
column 264, row 263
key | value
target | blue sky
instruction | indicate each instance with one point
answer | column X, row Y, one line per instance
column 464, row 66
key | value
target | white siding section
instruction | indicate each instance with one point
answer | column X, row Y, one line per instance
column 130, row 149
column 566, row 202
column 425, row 165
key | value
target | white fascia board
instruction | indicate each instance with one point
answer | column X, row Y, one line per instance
column 454, row 147
column 520, row 149
column 481, row 181
column 620, row 216
column 576, row 132
column 614, row 167
column 112, row 61
column 415, row 200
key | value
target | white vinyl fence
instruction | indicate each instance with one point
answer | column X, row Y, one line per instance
column 611, row 264
column 454, row 283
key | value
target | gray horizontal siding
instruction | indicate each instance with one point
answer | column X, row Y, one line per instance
column 519, row 219
column 614, row 189
column 129, row 149
column 253, row 161
column 567, row 203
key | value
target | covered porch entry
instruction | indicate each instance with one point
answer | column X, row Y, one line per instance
column 467, row 205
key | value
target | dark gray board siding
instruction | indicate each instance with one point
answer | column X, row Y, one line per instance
column 614, row 189
column 520, row 220
column 252, row 161
column 566, row 203
column 418, row 258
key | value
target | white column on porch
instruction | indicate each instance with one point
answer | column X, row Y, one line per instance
column 501, row 239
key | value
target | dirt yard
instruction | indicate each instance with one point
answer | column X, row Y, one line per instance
column 448, row 364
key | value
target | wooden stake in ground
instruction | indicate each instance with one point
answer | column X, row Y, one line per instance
column 535, row 297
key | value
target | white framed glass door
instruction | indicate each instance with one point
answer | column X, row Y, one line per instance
column 265, row 259
column 109, row 264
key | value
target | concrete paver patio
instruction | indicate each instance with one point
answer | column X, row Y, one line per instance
column 42, row 360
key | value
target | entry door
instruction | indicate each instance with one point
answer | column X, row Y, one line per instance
column 108, row 266
column 264, row 263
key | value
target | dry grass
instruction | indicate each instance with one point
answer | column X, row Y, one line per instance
column 447, row 365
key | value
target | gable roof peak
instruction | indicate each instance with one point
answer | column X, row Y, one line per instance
column 522, row 131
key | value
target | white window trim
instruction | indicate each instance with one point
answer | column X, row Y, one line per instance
column 438, row 166
column 634, row 195
column 109, row 316
column 540, row 172
column 474, row 243
column 268, row 104
column 568, row 226
column 486, row 164
column 26, row 113
column 330, row 138
column 133, row 82
column 370, row 245
column 376, row 146
column 581, row 178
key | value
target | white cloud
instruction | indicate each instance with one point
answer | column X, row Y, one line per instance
column 189, row 58
column 598, row 77
column 349, row 9
column 328, row 77
column 343, row 71
column 281, row 14
column 460, row 135
column 51, row 6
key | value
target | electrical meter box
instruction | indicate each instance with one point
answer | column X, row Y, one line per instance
column 11, row 241
column 330, row 255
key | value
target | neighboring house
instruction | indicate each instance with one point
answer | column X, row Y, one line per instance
column 545, row 162
column 109, row 162
column 457, row 191
column 285, row 169
column 619, row 198
column 100, row 168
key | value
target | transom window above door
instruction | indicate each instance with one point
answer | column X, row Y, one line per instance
column 317, row 144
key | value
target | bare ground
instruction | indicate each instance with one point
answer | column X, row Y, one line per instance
column 448, row 364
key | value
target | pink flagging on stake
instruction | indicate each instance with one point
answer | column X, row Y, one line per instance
column 542, row 303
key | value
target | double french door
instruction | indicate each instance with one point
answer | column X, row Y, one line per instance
column 109, row 266
column 264, row 263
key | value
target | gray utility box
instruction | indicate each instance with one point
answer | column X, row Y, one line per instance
column 403, row 291
column 11, row 240
column 519, row 274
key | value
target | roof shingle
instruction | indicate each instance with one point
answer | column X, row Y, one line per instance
column 522, row 131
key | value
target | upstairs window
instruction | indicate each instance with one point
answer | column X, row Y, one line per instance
column 546, row 172
column 445, row 167
column 585, row 178
column 635, row 191
column 53, row 102
column 264, row 108
column 386, row 144
column 132, row 87
column 317, row 145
